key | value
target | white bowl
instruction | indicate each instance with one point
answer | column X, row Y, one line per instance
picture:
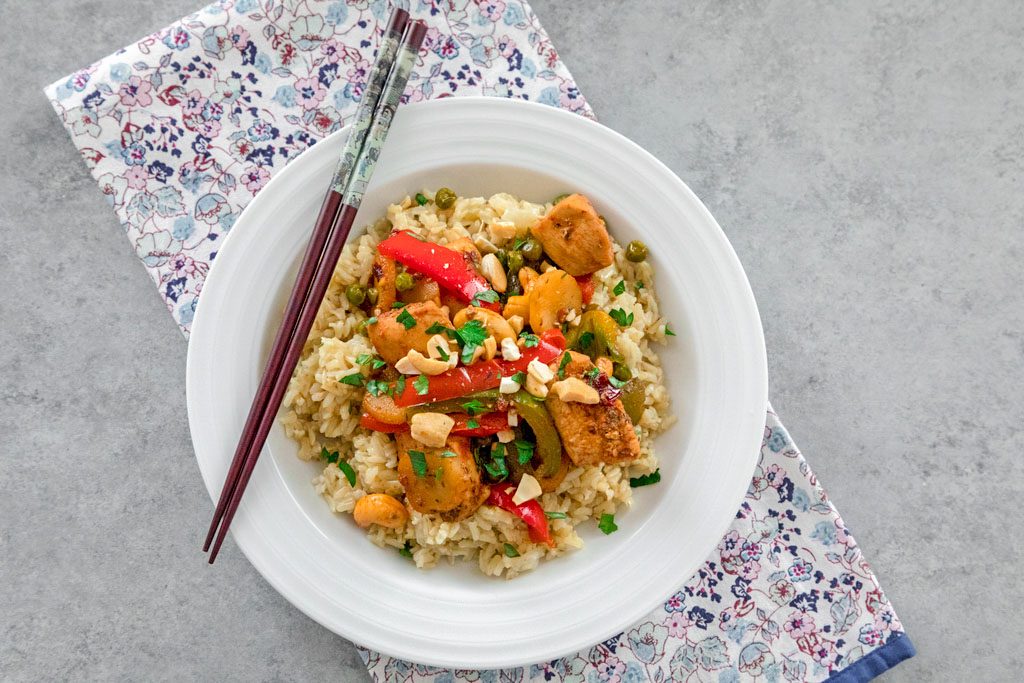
column 453, row 615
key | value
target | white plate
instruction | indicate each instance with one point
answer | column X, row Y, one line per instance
column 452, row 615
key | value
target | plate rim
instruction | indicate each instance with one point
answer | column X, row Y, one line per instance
column 746, row 298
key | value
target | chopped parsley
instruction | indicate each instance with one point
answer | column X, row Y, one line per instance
column 335, row 458
column 585, row 340
column 406, row 550
column 668, row 331
column 520, row 241
column 621, row 317
column 639, row 285
column 510, row 550
column 437, row 328
column 377, row 364
column 400, row 385
column 496, row 467
column 363, row 358
column 519, row 378
column 472, row 424
column 421, row 199
column 398, row 304
column 377, row 387
column 566, row 358
column 488, row 295
column 617, row 383
column 474, row 407
column 619, row 288
column 592, row 374
column 371, row 321
column 353, row 380
column 645, row 479
column 447, row 454
column 422, row 385
column 438, row 473
column 556, row 515
column 419, row 462
column 408, row 322
column 524, row 451
column 607, row 524
column 529, row 340
column 443, row 354
column 347, row 470
column 472, row 335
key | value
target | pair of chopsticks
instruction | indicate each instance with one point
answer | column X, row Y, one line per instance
column 395, row 58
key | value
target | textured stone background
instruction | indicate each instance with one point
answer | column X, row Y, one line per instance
column 866, row 162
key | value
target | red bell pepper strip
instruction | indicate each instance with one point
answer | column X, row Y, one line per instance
column 530, row 512
column 586, row 283
column 368, row 421
column 482, row 375
column 454, row 383
column 445, row 266
column 550, row 347
column 488, row 424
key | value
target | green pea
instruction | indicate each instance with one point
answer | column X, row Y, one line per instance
column 515, row 262
column 559, row 198
column 502, row 257
column 356, row 294
column 371, row 295
column 404, row 282
column 421, row 198
column 532, row 251
column 445, row 198
column 622, row 373
column 636, row 251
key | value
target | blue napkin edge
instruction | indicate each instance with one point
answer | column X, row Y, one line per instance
column 877, row 662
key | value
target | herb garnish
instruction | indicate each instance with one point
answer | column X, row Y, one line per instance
column 566, row 358
column 474, row 407
column 510, row 550
column 408, row 322
column 443, row 354
column 556, row 515
column 585, row 340
column 346, row 469
column 447, row 454
column 438, row 473
column 645, row 479
column 607, row 524
column 472, row 335
column 437, row 328
column 472, row 424
column 371, row 321
column 524, row 451
column 421, row 198
column 529, row 340
column 398, row 304
column 519, row 378
column 620, row 316
column 406, row 550
column 519, row 242
column 668, row 331
column 363, row 358
column 353, row 380
column 488, row 295
column 419, row 462
column 399, row 385
column 619, row 288
column 377, row 387
column 422, row 385
column 617, row 383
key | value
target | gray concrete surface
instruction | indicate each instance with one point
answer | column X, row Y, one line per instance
column 866, row 162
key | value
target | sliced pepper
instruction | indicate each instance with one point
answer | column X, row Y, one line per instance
column 595, row 335
column 548, row 451
column 445, row 266
column 586, row 283
column 530, row 512
column 487, row 425
column 482, row 375
column 368, row 421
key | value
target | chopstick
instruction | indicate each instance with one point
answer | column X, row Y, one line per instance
column 373, row 119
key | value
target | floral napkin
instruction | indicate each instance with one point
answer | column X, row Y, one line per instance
column 182, row 128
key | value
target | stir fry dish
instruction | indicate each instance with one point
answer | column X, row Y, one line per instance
column 480, row 379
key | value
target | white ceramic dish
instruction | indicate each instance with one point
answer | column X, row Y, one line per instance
column 452, row 615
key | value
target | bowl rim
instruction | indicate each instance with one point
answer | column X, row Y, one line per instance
column 279, row 578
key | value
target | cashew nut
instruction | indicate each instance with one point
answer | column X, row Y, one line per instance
column 382, row 509
column 431, row 429
column 491, row 268
column 573, row 389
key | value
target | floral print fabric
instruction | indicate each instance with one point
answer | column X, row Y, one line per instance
column 786, row 596
column 184, row 127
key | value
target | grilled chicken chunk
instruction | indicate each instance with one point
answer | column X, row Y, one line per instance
column 393, row 340
column 575, row 237
column 455, row 493
column 592, row 434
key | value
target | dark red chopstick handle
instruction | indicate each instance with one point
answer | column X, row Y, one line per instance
column 300, row 293
column 318, row 288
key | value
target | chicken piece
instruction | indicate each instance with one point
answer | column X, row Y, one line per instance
column 393, row 340
column 469, row 251
column 455, row 493
column 575, row 237
column 383, row 275
column 592, row 434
